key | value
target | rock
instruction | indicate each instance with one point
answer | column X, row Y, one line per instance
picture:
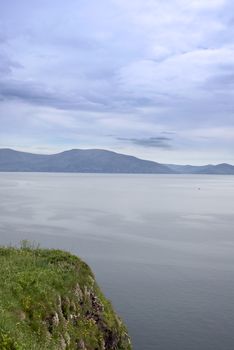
column 65, row 305
column 21, row 315
column 78, row 292
column 67, row 338
column 81, row 345
column 52, row 321
column 63, row 344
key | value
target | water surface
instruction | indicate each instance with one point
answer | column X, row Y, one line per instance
column 161, row 246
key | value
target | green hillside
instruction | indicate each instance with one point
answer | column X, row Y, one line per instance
column 49, row 300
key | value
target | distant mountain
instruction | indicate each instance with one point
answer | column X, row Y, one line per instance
column 79, row 161
column 98, row 161
column 220, row 169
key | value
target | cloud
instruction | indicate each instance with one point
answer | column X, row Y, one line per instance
column 41, row 95
column 221, row 82
column 132, row 68
column 155, row 142
column 7, row 65
column 206, row 4
column 178, row 76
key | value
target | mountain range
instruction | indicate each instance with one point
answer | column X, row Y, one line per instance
column 98, row 161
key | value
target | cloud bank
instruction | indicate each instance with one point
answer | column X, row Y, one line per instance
column 72, row 73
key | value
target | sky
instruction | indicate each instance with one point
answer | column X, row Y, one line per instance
column 150, row 78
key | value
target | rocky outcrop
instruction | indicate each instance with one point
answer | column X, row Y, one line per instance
column 55, row 304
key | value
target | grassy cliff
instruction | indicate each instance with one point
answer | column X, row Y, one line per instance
column 49, row 300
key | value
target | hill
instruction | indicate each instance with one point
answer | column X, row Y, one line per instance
column 98, row 161
column 50, row 300
column 219, row 169
column 79, row 161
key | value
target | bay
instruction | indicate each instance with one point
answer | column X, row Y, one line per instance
column 161, row 246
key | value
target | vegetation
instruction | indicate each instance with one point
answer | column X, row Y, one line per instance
column 50, row 300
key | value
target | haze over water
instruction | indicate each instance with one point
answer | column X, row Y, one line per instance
column 162, row 247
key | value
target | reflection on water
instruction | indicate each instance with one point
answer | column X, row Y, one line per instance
column 162, row 250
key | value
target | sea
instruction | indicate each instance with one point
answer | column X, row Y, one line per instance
column 161, row 246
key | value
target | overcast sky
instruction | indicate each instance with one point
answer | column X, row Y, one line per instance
column 150, row 78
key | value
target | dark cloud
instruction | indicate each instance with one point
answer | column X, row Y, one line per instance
column 221, row 81
column 7, row 65
column 168, row 132
column 38, row 94
column 157, row 142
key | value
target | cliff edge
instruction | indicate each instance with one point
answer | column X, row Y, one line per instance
column 49, row 299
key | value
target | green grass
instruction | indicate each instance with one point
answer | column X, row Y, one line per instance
column 49, row 300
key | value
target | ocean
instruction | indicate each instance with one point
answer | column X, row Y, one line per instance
column 161, row 246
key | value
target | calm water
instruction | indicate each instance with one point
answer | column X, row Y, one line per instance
column 162, row 250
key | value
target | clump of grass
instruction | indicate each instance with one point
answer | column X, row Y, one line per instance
column 49, row 300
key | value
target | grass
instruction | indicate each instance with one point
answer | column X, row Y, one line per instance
column 49, row 300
